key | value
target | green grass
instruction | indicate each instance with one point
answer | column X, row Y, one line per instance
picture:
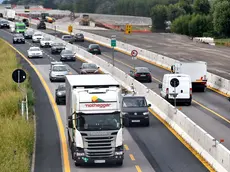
column 16, row 134
column 225, row 42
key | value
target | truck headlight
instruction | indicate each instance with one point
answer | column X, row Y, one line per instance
column 124, row 113
column 146, row 113
column 80, row 154
column 119, row 153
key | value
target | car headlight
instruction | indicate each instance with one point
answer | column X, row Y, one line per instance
column 60, row 93
column 146, row 113
column 96, row 71
column 15, row 38
column 53, row 75
column 83, row 71
column 119, row 153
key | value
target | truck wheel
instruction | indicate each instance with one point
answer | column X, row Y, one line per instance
column 57, row 101
column 126, row 122
column 119, row 163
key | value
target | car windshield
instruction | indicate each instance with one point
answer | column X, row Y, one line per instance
column 29, row 32
column 34, row 49
column 94, row 46
column 18, row 35
column 66, row 52
column 134, row 102
column 79, row 34
column 59, row 68
column 58, row 44
column 46, row 39
column 89, row 66
column 61, row 87
column 38, row 34
column 145, row 70
column 66, row 37
column 4, row 22
column 98, row 122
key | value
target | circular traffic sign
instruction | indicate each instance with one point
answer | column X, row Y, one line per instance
column 134, row 53
column 19, row 76
column 174, row 82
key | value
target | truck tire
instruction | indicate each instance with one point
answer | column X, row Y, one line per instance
column 57, row 101
column 119, row 163
column 126, row 122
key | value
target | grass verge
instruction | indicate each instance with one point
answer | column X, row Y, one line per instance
column 16, row 134
column 225, row 42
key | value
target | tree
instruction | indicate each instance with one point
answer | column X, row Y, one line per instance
column 201, row 6
column 174, row 11
column 221, row 17
column 159, row 16
column 181, row 24
column 198, row 25
column 186, row 5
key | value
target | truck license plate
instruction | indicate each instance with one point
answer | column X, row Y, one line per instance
column 135, row 120
column 99, row 161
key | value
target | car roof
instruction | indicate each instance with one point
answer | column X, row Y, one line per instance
column 94, row 45
column 35, row 33
column 145, row 69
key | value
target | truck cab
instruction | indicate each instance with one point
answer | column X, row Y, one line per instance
column 94, row 127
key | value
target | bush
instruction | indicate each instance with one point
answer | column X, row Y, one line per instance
column 181, row 24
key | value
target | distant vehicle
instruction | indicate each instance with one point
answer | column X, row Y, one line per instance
column 45, row 42
column 58, row 72
column 37, row 37
column 9, row 14
column 68, row 38
column 183, row 90
column 84, row 20
column 4, row 24
column 94, row 49
column 20, row 27
column 89, row 68
column 79, row 37
column 57, row 48
column 60, row 94
column 28, row 34
column 46, row 17
column 196, row 70
column 18, row 38
column 135, row 110
column 141, row 74
column 27, row 9
column 67, row 55
column 35, row 52
column 26, row 21
column 41, row 25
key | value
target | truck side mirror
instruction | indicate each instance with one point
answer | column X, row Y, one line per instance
column 173, row 68
column 149, row 105
column 160, row 86
column 98, row 67
column 70, row 123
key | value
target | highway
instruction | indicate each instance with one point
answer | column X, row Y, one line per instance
column 178, row 47
column 209, row 110
column 156, row 144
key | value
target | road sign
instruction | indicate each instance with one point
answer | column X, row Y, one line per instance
column 174, row 82
column 70, row 28
column 134, row 53
column 128, row 28
column 113, row 41
column 19, row 76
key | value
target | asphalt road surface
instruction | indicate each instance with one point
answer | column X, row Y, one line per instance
column 178, row 47
column 163, row 151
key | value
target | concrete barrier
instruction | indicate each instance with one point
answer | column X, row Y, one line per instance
column 210, row 149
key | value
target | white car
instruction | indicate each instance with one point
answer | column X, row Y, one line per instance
column 37, row 37
column 34, row 52
column 46, row 42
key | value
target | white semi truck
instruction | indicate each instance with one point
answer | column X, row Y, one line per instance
column 94, row 119
column 196, row 70
column 9, row 14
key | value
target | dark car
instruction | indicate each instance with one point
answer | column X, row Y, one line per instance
column 4, row 24
column 68, row 38
column 141, row 74
column 89, row 68
column 57, row 48
column 94, row 49
column 28, row 34
column 41, row 25
column 135, row 110
column 79, row 37
column 67, row 55
column 18, row 38
column 26, row 21
column 60, row 94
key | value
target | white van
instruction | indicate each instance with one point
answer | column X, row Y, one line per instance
column 183, row 89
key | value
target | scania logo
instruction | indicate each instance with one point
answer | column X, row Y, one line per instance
column 98, row 133
column 135, row 113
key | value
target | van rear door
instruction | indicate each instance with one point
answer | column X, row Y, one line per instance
column 183, row 89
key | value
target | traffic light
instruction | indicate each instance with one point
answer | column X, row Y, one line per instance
column 128, row 29
column 70, row 28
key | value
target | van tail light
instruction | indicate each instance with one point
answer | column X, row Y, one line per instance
column 137, row 75
column 190, row 91
column 167, row 90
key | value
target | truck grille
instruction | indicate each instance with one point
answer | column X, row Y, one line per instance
column 99, row 146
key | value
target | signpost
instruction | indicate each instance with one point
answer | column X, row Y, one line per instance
column 128, row 28
column 134, row 54
column 113, row 44
column 174, row 83
column 70, row 29
column 19, row 76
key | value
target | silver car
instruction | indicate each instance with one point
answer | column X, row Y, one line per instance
column 89, row 68
column 58, row 72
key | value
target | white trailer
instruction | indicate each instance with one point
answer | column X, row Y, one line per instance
column 94, row 119
column 9, row 14
column 196, row 70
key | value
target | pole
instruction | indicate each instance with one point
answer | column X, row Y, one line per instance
column 27, row 111
column 113, row 55
column 175, row 94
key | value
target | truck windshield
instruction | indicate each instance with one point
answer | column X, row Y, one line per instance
column 98, row 122
column 20, row 27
